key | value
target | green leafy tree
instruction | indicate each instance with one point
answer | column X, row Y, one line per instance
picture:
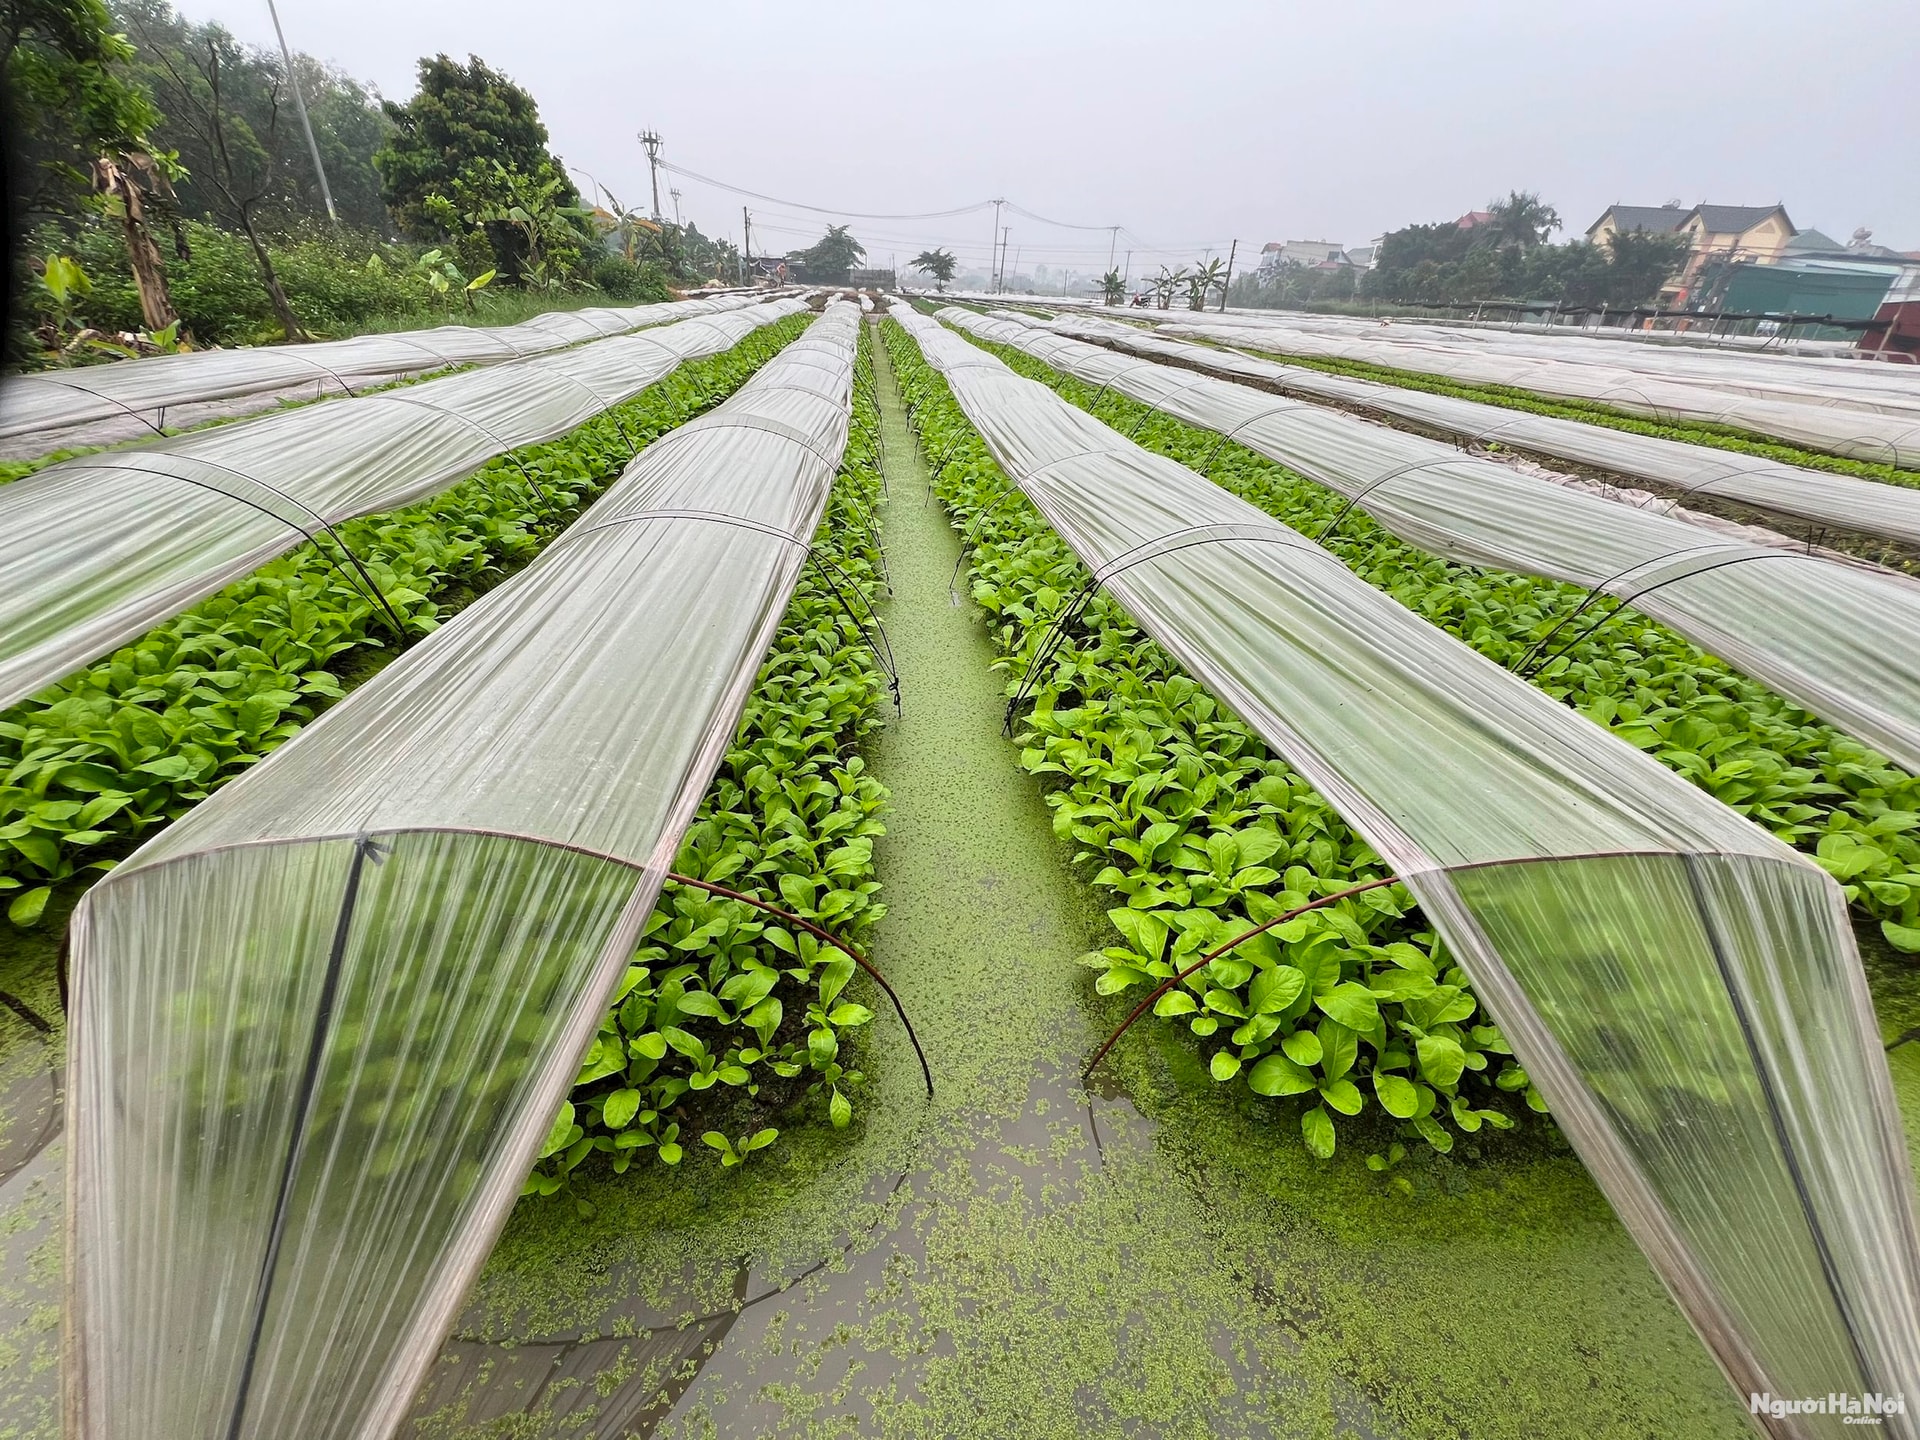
column 79, row 129
column 832, row 257
column 1639, row 263
column 466, row 127
column 202, row 84
column 706, row 257
column 546, row 235
column 940, row 264
column 1112, row 288
column 1204, row 281
column 172, row 59
column 1523, row 219
column 1166, row 285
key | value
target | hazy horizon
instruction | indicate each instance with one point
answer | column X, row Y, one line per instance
column 1273, row 123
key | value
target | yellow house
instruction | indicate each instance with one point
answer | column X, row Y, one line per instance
column 1714, row 232
column 1735, row 232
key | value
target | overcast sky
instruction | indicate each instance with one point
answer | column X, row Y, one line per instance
column 1189, row 125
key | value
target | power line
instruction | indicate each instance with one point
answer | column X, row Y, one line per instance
column 1058, row 224
column 818, row 209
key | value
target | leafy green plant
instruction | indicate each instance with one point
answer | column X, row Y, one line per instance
column 736, row 1152
column 729, row 1018
column 97, row 762
column 1179, row 813
column 1852, row 809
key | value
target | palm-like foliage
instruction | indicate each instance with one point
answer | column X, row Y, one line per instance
column 1204, row 281
column 1522, row 219
column 1166, row 285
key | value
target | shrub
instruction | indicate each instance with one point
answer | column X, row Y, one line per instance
column 630, row 283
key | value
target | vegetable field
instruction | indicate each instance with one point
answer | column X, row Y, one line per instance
column 810, row 865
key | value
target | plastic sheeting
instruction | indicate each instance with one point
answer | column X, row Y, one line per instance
column 1816, row 495
column 1812, row 629
column 1854, row 408
column 1683, row 988
column 56, row 400
column 323, row 1023
column 102, row 548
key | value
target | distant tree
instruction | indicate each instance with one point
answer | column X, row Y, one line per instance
column 197, row 82
column 79, row 127
column 439, row 165
column 1640, row 262
column 256, row 96
column 704, row 257
column 937, row 263
column 1522, row 219
column 1204, row 281
column 1113, row 289
column 833, row 256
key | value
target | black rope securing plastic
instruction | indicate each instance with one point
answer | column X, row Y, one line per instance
column 607, row 408
column 882, row 649
column 326, row 370
column 364, row 849
column 501, row 449
column 1154, row 407
column 1215, row 953
column 1527, row 671
column 1367, row 489
column 821, row 933
column 967, row 537
column 885, row 660
column 784, row 432
column 1154, row 549
column 117, row 404
column 714, row 517
column 370, row 589
column 1206, row 467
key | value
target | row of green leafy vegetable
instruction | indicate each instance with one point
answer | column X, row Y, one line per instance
column 728, row 1018
column 94, row 764
column 1179, row 813
column 1853, row 809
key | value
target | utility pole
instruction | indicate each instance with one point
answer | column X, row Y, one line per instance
column 1113, row 239
column 1000, row 264
column 651, row 140
column 1127, row 274
column 1229, row 285
column 746, row 235
column 678, row 223
column 993, row 248
column 300, row 104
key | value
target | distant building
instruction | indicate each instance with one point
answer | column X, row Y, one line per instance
column 1309, row 254
column 1732, row 234
column 1901, row 310
column 871, row 279
column 1735, row 232
column 1474, row 220
column 1654, row 219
